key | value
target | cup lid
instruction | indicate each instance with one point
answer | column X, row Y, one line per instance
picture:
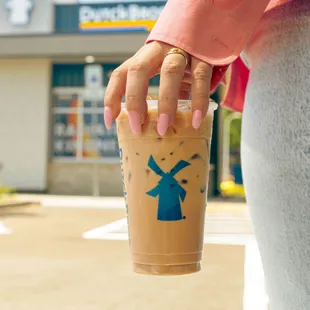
column 183, row 105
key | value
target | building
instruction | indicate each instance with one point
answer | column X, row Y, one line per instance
column 55, row 61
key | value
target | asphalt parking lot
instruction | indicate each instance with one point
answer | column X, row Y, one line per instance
column 46, row 263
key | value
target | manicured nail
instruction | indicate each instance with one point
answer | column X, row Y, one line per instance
column 134, row 122
column 197, row 119
column 108, row 119
column 163, row 124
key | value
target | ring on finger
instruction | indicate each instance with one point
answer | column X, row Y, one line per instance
column 179, row 51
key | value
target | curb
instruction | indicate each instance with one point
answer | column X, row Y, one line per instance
column 9, row 204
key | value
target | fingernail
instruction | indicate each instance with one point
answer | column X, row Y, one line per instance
column 134, row 122
column 108, row 119
column 197, row 119
column 163, row 124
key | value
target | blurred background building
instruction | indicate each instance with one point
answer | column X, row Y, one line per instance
column 56, row 58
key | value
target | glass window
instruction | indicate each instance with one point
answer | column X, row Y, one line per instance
column 97, row 140
column 107, row 71
column 64, row 134
column 66, row 101
column 78, row 132
column 68, row 75
column 93, row 103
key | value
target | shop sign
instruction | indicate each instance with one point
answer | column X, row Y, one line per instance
column 110, row 17
column 93, row 82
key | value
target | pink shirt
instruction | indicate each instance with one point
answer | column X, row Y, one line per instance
column 216, row 32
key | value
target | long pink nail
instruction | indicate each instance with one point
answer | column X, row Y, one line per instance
column 135, row 122
column 163, row 124
column 197, row 119
column 108, row 119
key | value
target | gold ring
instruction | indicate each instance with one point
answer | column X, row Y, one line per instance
column 176, row 50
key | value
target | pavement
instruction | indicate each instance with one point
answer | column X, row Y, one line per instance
column 47, row 263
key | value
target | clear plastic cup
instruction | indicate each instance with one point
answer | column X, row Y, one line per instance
column 165, row 187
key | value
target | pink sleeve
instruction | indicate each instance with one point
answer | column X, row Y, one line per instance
column 239, row 77
column 214, row 31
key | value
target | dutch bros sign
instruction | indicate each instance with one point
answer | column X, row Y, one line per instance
column 119, row 17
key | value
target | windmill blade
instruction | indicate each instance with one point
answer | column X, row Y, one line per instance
column 152, row 164
column 178, row 167
column 153, row 192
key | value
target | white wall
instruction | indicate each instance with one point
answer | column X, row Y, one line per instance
column 24, row 122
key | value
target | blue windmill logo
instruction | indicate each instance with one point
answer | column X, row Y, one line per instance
column 169, row 191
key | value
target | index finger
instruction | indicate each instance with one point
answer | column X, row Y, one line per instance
column 114, row 93
column 143, row 66
column 201, row 80
column 171, row 76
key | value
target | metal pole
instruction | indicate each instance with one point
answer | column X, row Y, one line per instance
column 80, row 128
column 226, row 143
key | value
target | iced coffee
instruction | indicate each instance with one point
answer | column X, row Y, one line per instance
column 165, row 186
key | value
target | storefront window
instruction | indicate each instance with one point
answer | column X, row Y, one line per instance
column 97, row 140
column 65, row 129
column 93, row 104
column 78, row 132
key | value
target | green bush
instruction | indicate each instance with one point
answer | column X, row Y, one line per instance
column 6, row 191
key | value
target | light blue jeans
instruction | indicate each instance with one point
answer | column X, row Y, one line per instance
column 276, row 151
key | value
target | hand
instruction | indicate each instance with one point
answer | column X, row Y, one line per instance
column 177, row 81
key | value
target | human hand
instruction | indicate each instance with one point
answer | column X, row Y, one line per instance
column 181, row 76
